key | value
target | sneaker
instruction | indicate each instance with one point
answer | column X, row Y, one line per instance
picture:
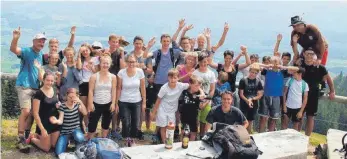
column 132, row 143
column 115, row 135
column 127, row 142
column 22, row 146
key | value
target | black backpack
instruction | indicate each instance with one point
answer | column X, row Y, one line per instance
column 344, row 147
column 234, row 141
column 173, row 60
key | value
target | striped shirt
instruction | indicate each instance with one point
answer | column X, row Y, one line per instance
column 71, row 119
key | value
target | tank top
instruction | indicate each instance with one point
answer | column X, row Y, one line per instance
column 103, row 91
column 183, row 72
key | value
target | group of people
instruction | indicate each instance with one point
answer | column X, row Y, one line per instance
column 67, row 92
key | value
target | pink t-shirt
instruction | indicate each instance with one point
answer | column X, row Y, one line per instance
column 183, row 72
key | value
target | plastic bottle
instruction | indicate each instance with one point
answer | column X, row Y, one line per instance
column 186, row 135
column 170, row 129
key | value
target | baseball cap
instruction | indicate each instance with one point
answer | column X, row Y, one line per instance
column 97, row 45
column 40, row 36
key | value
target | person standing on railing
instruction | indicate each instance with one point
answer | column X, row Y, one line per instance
column 27, row 82
column 313, row 75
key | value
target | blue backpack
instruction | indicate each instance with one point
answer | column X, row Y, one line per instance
column 107, row 149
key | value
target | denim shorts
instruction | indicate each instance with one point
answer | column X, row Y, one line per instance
column 271, row 107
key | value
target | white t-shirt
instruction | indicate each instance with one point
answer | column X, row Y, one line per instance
column 294, row 98
column 86, row 73
column 130, row 86
column 208, row 78
column 169, row 97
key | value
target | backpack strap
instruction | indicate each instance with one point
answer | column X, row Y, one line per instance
column 173, row 60
column 303, row 87
column 157, row 61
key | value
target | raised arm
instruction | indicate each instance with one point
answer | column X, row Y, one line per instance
column 185, row 29
column 72, row 37
column 222, row 39
column 181, row 24
column 277, row 45
column 248, row 60
column 207, row 34
column 14, row 44
column 148, row 47
column 211, row 63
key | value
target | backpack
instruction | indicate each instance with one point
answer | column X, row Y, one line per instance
column 107, row 149
column 234, row 141
column 86, row 151
column 173, row 60
column 344, row 147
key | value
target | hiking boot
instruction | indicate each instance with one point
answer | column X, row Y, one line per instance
column 115, row 135
column 22, row 145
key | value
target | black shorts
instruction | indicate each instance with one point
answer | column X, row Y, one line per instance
column 50, row 128
column 100, row 110
column 249, row 113
column 312, row 103
column 193, row 125
column 191, row 119
column 291, row 113
column 84, row 89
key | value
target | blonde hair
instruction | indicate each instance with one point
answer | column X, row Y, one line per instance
column 275, row 59
column 113, row 37
column 173, row 72
column 191, row 54
column 130, row 56
column 223, row 77
column 69, row 49
column 254, row 67
column 53, row 41
column 195, row 79
column 105, row 57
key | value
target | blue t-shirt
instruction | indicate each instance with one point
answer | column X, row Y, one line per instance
column 273, row 83
column 217, row 98
column 165, row 65
column 28, row 74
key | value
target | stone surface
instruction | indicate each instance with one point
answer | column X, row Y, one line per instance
column 334, row 138
column 284, row 144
